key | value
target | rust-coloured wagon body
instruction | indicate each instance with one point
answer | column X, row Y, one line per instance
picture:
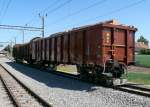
column 102, row 49
column 93, row 44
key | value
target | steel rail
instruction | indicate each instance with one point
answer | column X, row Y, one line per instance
column 11, row 96
column 138, row 90
column 131, row 89
column 128, row 87
column 32, row 93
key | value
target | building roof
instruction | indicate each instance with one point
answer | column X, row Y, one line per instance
column 140, row 45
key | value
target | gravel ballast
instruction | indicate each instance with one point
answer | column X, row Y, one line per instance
column 5, row 101
column 65, row 92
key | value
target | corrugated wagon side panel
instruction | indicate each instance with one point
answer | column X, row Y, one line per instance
column 39, row 50
column 66, row 48
column 61, row 48
column 52, row 49
column 28, row 51
column 93, row 45
column 55, row 49
column 79, row 47
column 42, row 48
column 72, row 47
column 58, row 48
column 47, row 49
column 36, row 50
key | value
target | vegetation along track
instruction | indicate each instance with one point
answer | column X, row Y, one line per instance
column 21, row 95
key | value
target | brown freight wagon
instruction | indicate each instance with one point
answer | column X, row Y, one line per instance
column 100, row 51
column 92, row 44
column 16, row 51
column 22, row 51
column 91, row 47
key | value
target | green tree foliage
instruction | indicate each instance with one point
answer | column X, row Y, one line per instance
column 142, row 39
column 145, row 51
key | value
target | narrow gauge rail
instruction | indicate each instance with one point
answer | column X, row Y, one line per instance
column 21, row 95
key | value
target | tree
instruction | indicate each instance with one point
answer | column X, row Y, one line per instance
column 142, row 39
column 8, row 48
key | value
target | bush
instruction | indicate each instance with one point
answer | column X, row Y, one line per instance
column 145, row 51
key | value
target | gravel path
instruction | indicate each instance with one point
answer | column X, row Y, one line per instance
column 65, row 92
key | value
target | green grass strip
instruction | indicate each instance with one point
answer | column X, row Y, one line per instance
column 143, row 60
column 141, row 78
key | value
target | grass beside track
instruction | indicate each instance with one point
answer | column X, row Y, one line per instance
column 136, row 77
column 143, row 60
column 141, row 78
column 67, row 68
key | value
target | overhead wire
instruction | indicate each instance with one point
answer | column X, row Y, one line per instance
column 118, row 10
column 2, row 7
column 42, row 11
column 113, row 11
column 5, row 10
column 59, row 6
column 0, row 2
column 48, row 7
column 79, row 11
column 52, row 10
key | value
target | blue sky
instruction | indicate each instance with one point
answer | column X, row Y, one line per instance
column 20, row 12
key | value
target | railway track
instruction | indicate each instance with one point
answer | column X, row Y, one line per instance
column 20, row 94
column 129, row 87
column 135, row 89
column 4, row 94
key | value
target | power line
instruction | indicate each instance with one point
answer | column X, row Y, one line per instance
column 79, row 11
column 54, row 9
column 54, row 3
column 114, row 11
column 118, row 10
column 5, row 11
column 59, row 6
column 2, row 7
column 4, row 42
column 20, row 28
column 42, row 11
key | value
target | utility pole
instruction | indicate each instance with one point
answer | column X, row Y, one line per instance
column 11, row 54
column 23, row 36
column 43, row 24
column 15, row 40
